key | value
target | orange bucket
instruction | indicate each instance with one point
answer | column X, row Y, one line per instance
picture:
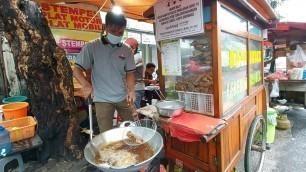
column 15, row 110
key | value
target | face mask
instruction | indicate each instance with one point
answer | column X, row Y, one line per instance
column 113, row 39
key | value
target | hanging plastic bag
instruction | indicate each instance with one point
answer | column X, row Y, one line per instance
column 275, row 89
column 298, row 58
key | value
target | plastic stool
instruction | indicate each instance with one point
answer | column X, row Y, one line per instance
column 10, row 158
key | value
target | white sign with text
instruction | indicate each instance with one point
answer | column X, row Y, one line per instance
column 178, row 18
column 148, row 39
column 171, row 57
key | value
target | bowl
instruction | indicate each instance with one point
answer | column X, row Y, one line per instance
column 282, row 101
column 170, row 108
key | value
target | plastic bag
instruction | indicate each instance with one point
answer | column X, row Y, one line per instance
column 298, row 58
column 296, row 73
column 275, row 89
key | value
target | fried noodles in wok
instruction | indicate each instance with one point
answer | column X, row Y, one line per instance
column 119, row 154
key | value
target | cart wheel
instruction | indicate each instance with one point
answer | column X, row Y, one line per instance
column 255, row 145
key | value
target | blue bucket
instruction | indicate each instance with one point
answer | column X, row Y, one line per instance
column 15, row 99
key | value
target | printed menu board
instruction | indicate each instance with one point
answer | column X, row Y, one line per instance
column 171, row 57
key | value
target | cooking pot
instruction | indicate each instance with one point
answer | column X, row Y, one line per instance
column 103, row 139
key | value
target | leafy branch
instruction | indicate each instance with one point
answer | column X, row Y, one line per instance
column 274, row 4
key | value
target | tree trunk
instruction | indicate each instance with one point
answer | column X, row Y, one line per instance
column 48, row 75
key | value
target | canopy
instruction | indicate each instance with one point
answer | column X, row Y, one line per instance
column 288, row 31
column 132, row 8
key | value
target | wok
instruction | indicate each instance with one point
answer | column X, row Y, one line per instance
column 91, row 149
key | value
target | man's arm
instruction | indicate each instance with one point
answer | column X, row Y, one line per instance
column 86, row 90
column 130, row 80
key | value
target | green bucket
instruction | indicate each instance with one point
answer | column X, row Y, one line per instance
column 271, row 123
column 15, row 99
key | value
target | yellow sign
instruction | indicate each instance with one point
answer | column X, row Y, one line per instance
column 74, row 34
column 255, row 57
column 237, row 58
column 67, row 17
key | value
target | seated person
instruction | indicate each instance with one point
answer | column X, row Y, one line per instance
column 148, row 79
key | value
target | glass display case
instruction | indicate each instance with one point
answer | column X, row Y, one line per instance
column 196, row 66
column 195, row 85
column 234, row 69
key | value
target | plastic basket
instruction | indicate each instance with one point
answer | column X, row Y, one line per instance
column 197, row 102
column 20, row 128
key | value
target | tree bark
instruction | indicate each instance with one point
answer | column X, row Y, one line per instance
column 48, row 76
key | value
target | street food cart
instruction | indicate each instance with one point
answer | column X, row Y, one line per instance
column 211, row 57
column 285, row 37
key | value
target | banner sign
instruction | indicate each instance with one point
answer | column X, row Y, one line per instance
column 178, row 18
column 71, row 43
column 66, row 17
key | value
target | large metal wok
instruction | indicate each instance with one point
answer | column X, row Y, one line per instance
column 91, row 149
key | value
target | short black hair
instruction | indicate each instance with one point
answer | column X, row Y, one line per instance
column 149, row 65
column 115, row 19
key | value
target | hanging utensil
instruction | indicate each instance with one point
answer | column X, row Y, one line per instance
column 89, row 99
column 134, row 113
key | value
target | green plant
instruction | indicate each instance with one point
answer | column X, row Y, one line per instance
column 274, row 4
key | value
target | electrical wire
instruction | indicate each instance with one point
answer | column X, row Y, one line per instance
column 94, row 15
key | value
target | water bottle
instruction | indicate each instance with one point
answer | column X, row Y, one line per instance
column 5, row 142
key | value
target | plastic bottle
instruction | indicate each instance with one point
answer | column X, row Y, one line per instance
column 5, row 142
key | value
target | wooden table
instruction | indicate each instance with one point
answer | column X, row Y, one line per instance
column 289, row 85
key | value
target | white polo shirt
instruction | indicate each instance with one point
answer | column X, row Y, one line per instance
column 109, row 63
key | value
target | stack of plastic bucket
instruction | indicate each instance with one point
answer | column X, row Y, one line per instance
column 15, row 107
column 271, row 123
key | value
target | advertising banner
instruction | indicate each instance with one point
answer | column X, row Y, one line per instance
column 68, row 17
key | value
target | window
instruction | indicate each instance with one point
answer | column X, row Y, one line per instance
column 234, row 69
column 255, row 78
column 255, row 30
column 231, row 21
